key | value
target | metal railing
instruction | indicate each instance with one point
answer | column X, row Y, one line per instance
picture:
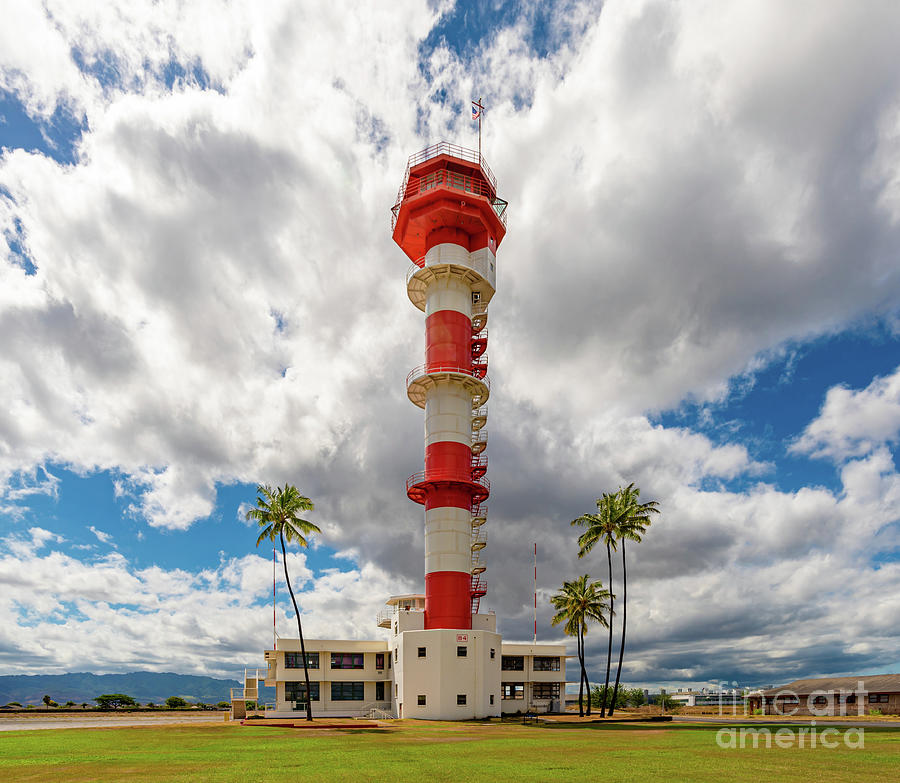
column 479, row 538
column 414, row 268
column 384, row 616
column 486, row 187
column 454, row 151
column 378, row 709
column 428, row 476
column 443, row 178
column 435, row 369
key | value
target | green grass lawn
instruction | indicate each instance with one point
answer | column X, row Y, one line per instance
column 430, row 752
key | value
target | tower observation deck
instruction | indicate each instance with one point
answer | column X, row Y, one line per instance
column 449, row 221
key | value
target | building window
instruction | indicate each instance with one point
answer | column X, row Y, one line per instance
column 396, row 653
column 543, row 663
column 878, row 698
column 461, row 651
column 347, row 691
column 545, row 690
column 460, row 698
column 379, row 660
column 818, row 700
column 346, row 660
column 379, row 691
column 395, row 629
column 294, row 660
column 389, row 661
column 512, row 690
column 492, row 653
column 492, row 698
column 512, row 663
column 296, row 691
column 421, row 652
column 420, row 699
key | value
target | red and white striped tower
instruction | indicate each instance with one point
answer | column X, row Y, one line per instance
column 449, row 222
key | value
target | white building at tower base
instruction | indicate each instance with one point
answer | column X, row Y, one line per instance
column 437, row 674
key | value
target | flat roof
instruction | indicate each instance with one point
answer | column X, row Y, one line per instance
column 396, row 599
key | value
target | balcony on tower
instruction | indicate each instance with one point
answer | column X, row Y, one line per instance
column 448, row 194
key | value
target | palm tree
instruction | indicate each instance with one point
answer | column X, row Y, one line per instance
column 634, row 519
column 602, row 526
column 576, row 603
column 277, row 513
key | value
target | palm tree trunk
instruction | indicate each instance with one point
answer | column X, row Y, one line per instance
column 624, row 618
column 609, row 650
column 299, row 630
column 584, row 674
column 580, row 645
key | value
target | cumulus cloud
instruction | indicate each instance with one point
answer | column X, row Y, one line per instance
column 103, row 614
column 103, row 538
column 217, row 299
column 852, row 422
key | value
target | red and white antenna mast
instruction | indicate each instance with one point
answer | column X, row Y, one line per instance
column 535, row 592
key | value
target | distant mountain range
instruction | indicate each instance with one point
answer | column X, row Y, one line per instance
column 144, row 687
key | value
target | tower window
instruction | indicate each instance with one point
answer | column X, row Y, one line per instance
column 460, row 698
column 492, row 653
column 421, row 699
column 492, row 698
column 461, row 651
column 421, row 652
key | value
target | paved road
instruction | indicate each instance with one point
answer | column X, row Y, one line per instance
column 92, row 721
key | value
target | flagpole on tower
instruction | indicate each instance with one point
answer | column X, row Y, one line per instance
column 477, row 111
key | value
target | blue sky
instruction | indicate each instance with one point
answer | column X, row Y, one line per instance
column 698, row 293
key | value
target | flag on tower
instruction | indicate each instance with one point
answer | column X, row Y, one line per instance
column 476, row 111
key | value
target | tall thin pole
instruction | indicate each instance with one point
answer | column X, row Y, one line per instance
column 477, row 104
column 274, row 571
column 535, row 592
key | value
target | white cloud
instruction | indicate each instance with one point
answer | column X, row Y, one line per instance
column 852, row 423
column 103, row 538
column 64, row 614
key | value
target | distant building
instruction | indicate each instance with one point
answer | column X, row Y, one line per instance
column 704, row 697
column 831, row 696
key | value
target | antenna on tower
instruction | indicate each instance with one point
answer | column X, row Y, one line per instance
column 535, row 592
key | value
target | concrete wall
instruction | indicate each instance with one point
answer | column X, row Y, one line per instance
column 442, row 675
